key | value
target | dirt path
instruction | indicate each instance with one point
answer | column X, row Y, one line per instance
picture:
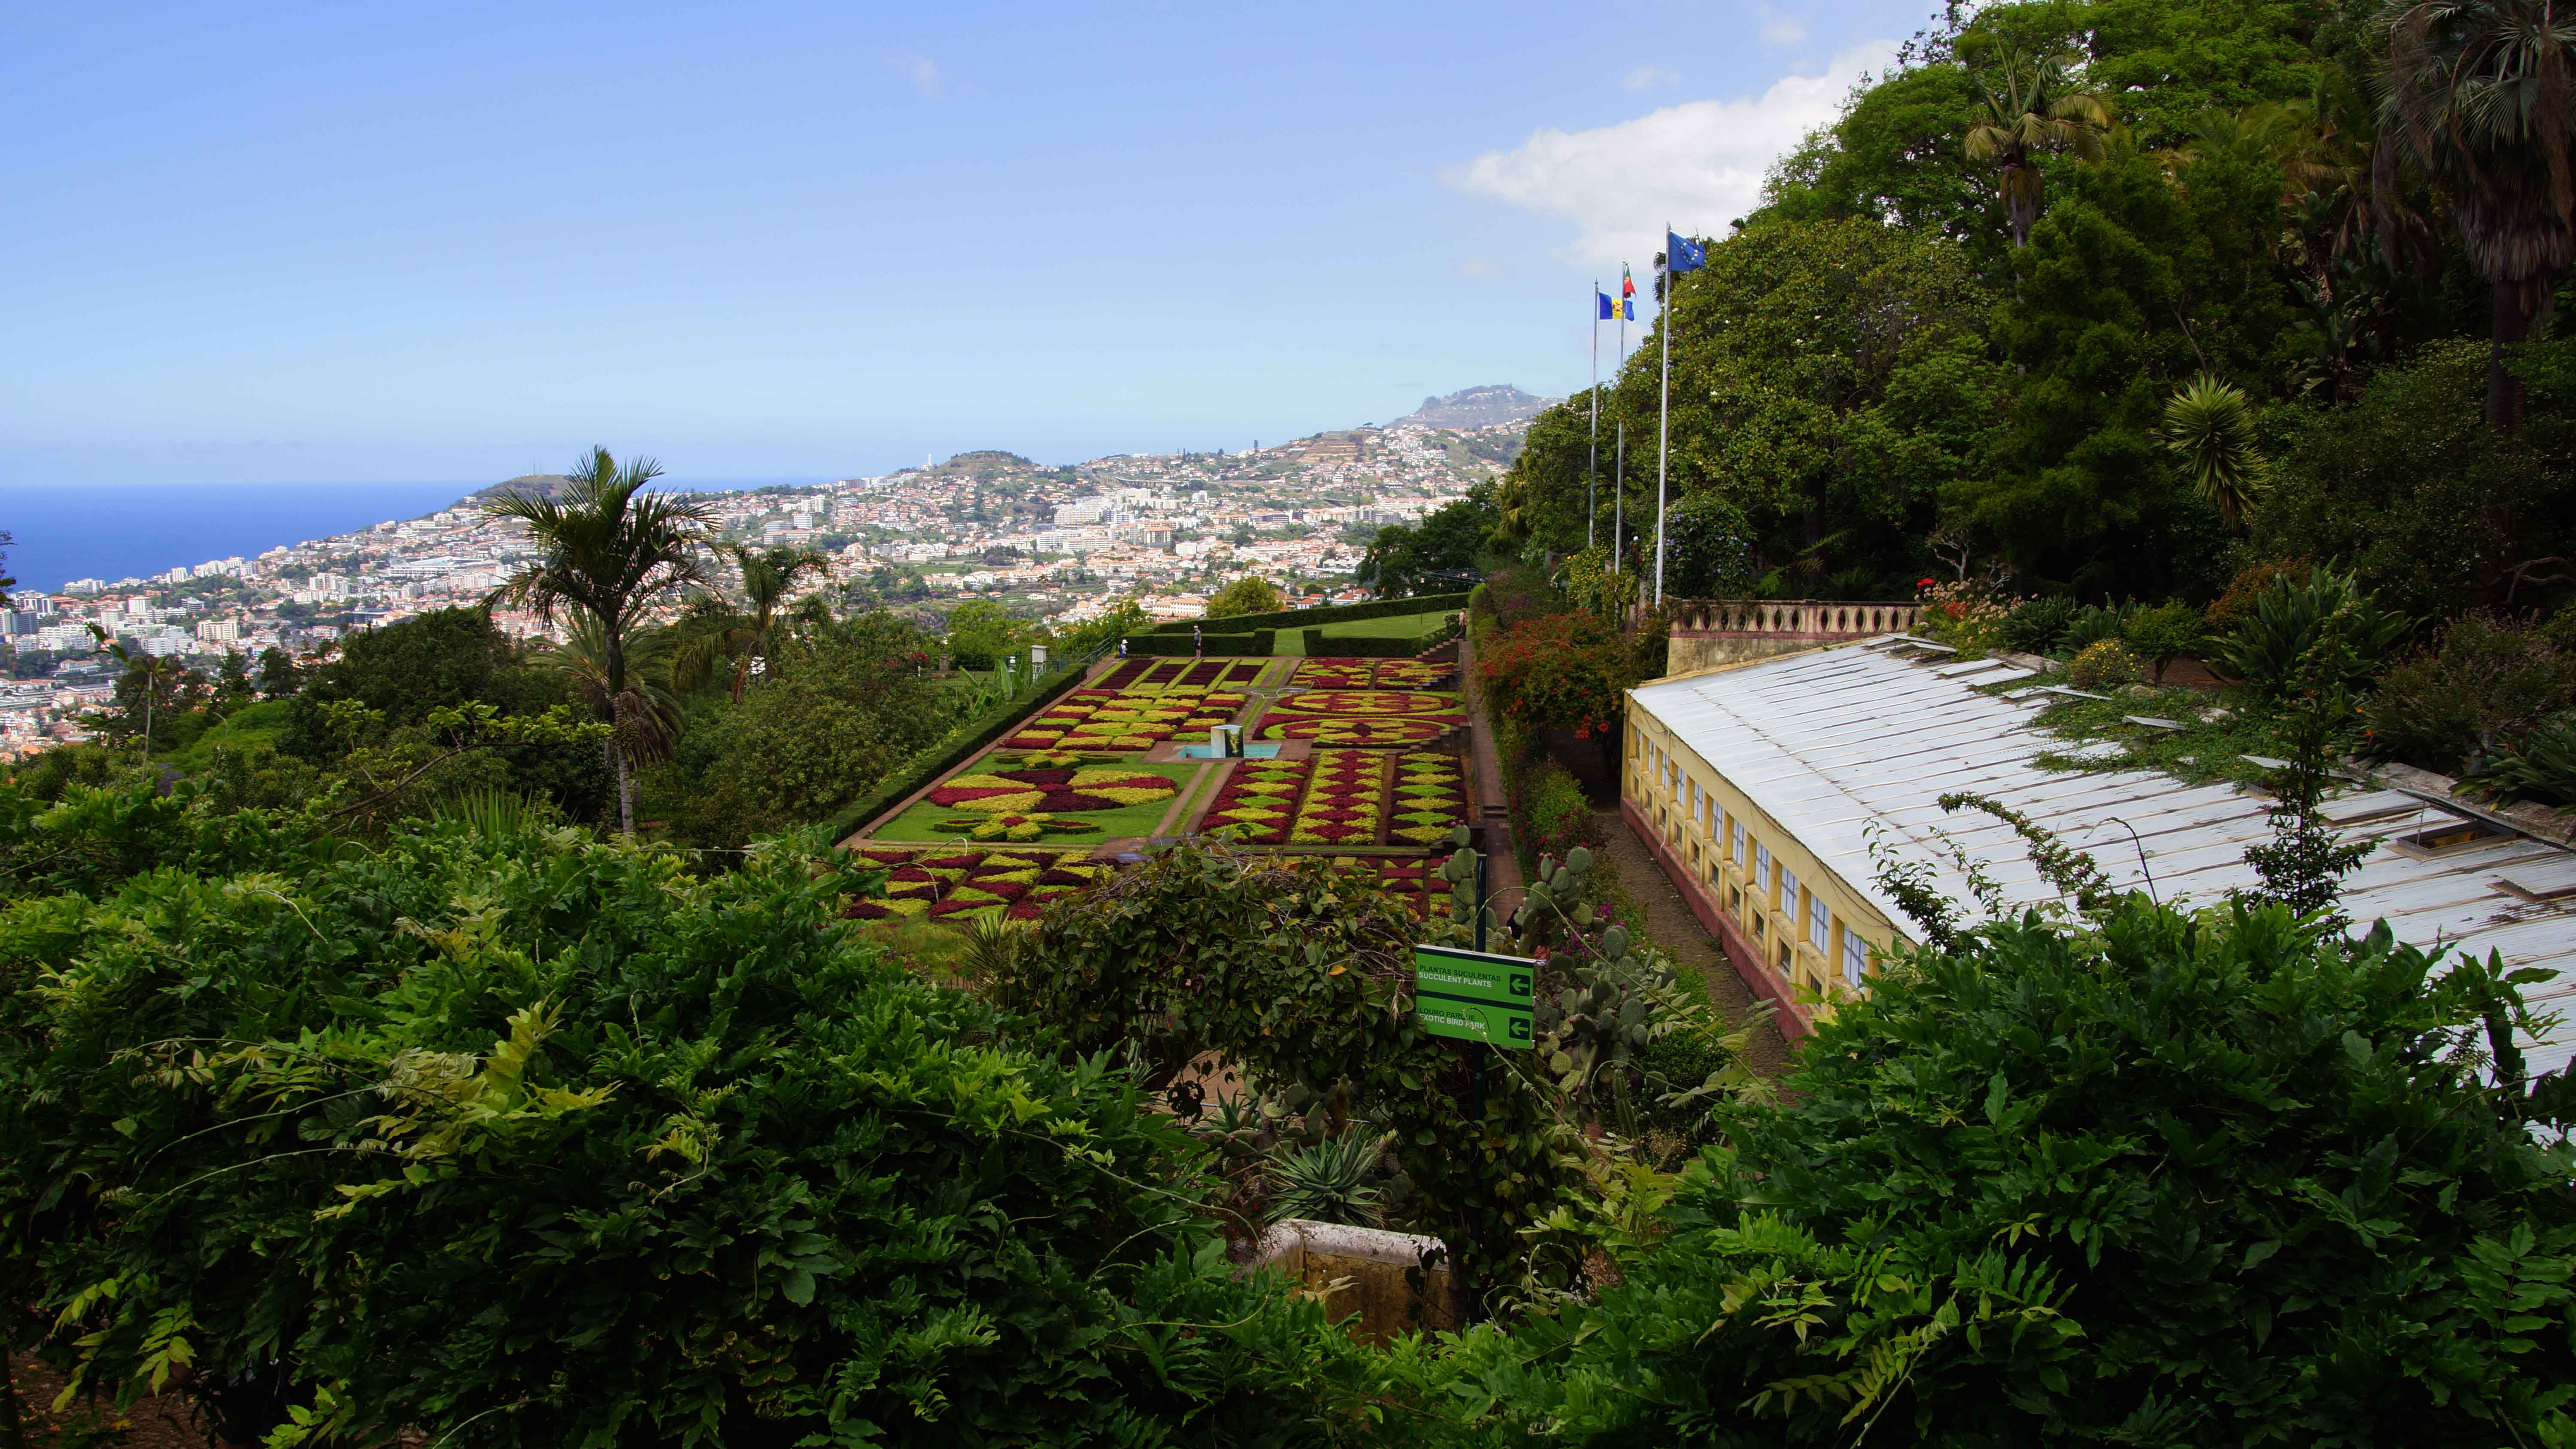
column 1670, row 924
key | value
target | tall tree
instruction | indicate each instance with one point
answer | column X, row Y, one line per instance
column 644, row 714
column 768, row 576
column 2028, row 105
column 2478, row 97
column 610, row 550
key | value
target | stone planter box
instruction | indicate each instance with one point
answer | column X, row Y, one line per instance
column 1374, row 1283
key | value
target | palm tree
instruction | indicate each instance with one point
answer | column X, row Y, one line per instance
column 609, row 554
column 2478, row 98
column 644, row 713
column 767, row 577
column 2031, row 104
column 2211, row 424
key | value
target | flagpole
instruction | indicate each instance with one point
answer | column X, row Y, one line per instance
column 1619, row 463
column 1664, row 424
column 1618, row 493
column 1592, row 466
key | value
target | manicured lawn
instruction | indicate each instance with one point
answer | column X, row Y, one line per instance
column 1393, row 626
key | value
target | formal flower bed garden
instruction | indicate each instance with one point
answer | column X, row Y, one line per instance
column 1373, row 718
column 1042, row 795
column 966, row 885
column 1369, row 674
column 1136, row 717
column 1342, row 797
column 1192, row 673
column 970, row 885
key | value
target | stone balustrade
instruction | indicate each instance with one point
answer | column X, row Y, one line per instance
column 1709, row 633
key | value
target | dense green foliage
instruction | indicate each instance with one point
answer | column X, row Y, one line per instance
column 1946, row 345
column 517, row 1139
column 842, row 706
column 2210, row 1180
column 1430, row 557
column 1251, row 594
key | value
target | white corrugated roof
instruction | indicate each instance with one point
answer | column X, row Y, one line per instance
column 1833, row 741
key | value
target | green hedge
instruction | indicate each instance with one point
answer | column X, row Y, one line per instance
column 1335, row 614
column 1320, row 646
column 1165, row 646
column 961, row 745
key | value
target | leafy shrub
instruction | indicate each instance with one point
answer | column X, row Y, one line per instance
column 1961, row 615
column 1556, row 816
column 2251, row 582
column 1519, row 594
column 844, row 709
column 2220, row 1179
column 2474, row 692
column 1559, row 671
column 1301, row 978
column 2298, row 614
column 2094, row 623
column 2157, row 635
column 2104, row 664
column 2035, row 625
column 2542, row 766
column 525, row 1141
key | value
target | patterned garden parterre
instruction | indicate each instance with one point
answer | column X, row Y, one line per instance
column 1197, row 673
column 1039, row 797
column 969, row 885
column 1370, row 674
column 1371, row 718
column 1137, row 717
column 973, row 884
column 1353, row 797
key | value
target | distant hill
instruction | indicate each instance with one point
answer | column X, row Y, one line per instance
column 1478, row 407
column 543, row 485
column 985, row 463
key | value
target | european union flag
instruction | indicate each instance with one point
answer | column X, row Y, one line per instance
column 1681, row 254
column 1608, row 308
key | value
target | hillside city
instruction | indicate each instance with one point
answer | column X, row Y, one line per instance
column 1976, row 833
column 1056, row 544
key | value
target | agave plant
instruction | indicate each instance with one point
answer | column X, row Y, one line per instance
column 1331, row 1182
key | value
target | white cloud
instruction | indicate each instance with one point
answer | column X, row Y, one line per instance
column 1781, row 30
column 1646, row 77
column 928, row 81
column 1698, row 165
column 1480, row 267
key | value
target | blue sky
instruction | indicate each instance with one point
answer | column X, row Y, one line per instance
column 261, row 242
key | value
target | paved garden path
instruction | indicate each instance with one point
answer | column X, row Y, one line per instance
column 1671, row 925
column 1669, row 920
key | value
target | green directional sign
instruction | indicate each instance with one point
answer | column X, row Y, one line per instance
column 1473, row 996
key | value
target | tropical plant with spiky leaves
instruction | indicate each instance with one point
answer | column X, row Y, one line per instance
column 609, row 550
column 2210, row 423
column 2027, row 105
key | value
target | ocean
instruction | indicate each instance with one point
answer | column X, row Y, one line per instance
column 111, row 531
